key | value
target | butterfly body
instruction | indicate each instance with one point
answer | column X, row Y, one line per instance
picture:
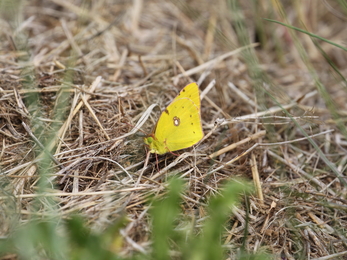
column 179, row 125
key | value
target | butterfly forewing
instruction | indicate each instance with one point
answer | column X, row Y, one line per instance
column 190, row 91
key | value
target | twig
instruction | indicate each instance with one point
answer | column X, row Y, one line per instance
column 256, row 178
column 213, row 61
column 233, row 146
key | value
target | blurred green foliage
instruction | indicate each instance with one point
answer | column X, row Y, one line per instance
column 72, row 238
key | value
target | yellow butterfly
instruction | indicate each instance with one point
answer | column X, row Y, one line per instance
column 179, row 125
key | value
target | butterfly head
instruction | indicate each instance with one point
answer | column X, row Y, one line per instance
column 155, row 146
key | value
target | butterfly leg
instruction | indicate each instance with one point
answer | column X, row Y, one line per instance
column 170, row 151
column 157, row 161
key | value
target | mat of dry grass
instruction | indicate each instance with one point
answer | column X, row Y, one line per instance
column 76, row 86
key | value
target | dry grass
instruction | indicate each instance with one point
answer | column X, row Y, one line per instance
column 124, row 56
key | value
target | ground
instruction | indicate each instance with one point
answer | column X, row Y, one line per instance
column 77, row 77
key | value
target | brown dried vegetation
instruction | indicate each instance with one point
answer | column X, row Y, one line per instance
column 76, row 79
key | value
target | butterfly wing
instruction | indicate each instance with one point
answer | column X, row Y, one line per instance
column 179, row 126
column 190, row 91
